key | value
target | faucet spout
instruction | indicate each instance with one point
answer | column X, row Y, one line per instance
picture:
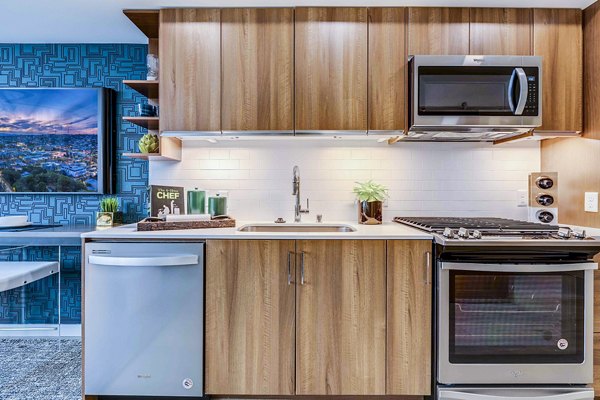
column 298, row 210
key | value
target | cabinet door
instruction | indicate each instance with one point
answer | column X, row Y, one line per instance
column 596, row 362
column 557, row 37
column 387, row 68
column 341, row 303
column 438, row 31
column 409, row 318
column 258, row 69
column 249, row 317
column 190, row 69
column 331, row 69
column 501, row 31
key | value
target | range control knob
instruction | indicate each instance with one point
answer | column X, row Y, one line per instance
column 544, row 182
column 564, row 233
column 544, row 200
column 463, row 233
column 477, row 234
column 448, row 233
column 544, row 216
column 579, row 235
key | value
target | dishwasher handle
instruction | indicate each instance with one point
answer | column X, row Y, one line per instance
column 154, row 261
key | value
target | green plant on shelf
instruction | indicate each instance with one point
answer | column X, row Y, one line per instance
column 149, row 143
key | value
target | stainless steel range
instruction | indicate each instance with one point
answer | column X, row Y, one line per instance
column 513, row 307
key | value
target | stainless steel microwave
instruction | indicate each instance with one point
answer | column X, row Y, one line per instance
column 474, row 98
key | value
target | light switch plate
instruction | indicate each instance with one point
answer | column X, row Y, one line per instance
column 591, row 202
column 521, row 198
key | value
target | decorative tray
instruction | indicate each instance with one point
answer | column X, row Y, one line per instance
column 156, row 224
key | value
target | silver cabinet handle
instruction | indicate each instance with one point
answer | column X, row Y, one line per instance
column 427, row 267
column 302, row 268
column 289, row 267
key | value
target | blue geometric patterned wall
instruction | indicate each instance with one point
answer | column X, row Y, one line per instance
column 71, row 65
column 82, row 65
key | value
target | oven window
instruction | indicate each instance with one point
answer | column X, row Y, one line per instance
column 516, row 317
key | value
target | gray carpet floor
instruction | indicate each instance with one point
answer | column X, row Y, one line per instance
column 40, row 368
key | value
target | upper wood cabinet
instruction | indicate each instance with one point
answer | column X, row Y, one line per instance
column 438, row 31
column 190, row 69
column 258, row 69
column 500, row 31
column 409, row 294
column 387, row 68
column 341, row 317
column 250, row 317
column 557, row 37
column 331, row 69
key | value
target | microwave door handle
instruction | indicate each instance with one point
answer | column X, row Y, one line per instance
column 523, row 91
column 511, row 89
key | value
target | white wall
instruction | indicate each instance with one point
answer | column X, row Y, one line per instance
column 457, row 179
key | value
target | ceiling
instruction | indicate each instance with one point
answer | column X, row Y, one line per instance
column 101, row 21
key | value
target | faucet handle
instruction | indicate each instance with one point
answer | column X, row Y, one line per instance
column 307, row 209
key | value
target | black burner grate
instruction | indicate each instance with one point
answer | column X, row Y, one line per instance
column 484, row 225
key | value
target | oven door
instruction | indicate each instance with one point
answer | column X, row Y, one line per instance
column 515, row 323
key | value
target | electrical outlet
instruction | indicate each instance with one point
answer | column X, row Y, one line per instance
column 522, row 199
column 591, row 202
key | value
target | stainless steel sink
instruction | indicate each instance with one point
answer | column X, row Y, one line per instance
column 296, row 228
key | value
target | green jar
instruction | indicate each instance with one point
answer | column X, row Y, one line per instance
column 196, row 201
column 217, row 205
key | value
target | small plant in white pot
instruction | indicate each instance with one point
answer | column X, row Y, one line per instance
column 370, row 196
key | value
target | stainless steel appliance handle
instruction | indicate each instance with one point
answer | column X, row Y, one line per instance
column 302, row 268
column 155, row 261
column 524, row 91
column 458, row 395
column 511, row 88
column 519, row 267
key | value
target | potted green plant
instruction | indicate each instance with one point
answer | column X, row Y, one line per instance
column 370, row 196
column 109, row 213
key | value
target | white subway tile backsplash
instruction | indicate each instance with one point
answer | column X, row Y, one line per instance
column 436, row 179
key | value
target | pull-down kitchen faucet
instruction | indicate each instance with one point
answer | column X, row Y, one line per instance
column 298, row 210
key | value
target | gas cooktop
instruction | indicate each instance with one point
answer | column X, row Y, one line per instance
column 495, row 231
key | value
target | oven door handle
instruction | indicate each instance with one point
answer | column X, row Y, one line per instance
column 459, row 395
column 519, row 267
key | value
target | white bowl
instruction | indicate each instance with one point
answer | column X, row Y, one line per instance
column 13, row 220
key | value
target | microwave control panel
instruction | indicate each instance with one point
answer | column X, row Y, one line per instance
column 531, row 106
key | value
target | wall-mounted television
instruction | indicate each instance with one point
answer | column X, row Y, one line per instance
column 56, row 140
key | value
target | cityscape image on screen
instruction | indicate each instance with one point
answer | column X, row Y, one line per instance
column 48, row 140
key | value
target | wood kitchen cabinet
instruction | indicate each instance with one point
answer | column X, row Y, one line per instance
column 340, row 317
column 500, row 31
column 438, row 31
column 331, row 69
column 258, row 69
column 353, row 317
column 250, row 317
column 557, row 37
column 409, row 294
column 597, row 363
column 387, row 69
column 190, row 69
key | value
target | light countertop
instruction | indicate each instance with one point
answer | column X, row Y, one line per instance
column 388, row 230
column 65, row 235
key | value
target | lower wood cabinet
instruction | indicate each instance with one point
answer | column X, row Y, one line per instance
column 249, row 343
column 340, row 317
column 317, row 317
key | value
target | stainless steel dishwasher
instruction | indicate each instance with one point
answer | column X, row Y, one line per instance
column 143, row 319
